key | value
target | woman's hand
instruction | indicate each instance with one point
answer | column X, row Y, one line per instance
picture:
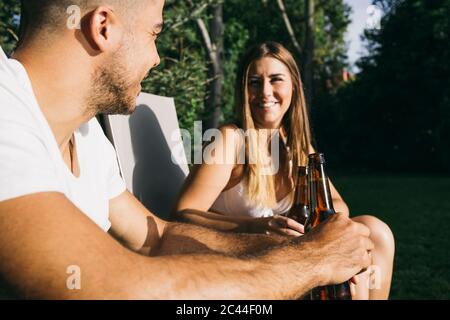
column 277, row 224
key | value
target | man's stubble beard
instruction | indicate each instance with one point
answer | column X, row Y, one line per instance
column 109, row 95
column 110, row 91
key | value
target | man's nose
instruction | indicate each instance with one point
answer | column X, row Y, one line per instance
column 157, row 61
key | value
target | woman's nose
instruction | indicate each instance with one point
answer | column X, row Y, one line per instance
column 267, row 89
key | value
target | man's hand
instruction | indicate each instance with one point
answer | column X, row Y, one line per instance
column 342, row 248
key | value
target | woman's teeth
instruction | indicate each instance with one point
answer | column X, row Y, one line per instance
column 268, row 105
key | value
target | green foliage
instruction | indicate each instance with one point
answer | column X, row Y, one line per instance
column 332, row 20
column 184, row 80
column 396, row 115
column 9, row 14
column 235, row 43
column 183, row 73
column 264, row 22
column 261, row 22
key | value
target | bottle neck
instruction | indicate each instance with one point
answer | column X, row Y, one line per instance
column 301, row 192
column 320, row 201
column 324, row 199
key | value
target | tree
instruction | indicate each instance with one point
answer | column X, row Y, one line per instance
column 396, row 114
column 285, row 22
column 201, row 77
column 213, row 41
column 289, row 27
column 308, row 55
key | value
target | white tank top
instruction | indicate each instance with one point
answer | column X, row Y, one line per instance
column 234, row 202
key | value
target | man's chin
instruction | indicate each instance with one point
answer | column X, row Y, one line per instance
column 124, row 110
column 132, row 108
column 128, row 111
column 129, row 107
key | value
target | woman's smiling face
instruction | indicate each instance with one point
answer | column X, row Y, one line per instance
column 270, row 92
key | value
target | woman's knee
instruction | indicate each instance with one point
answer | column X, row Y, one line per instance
column 380, row 232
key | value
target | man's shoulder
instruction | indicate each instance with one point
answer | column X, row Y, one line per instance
column 14, row 101
column 16, row 115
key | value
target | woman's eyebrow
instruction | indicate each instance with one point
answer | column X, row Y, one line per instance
column 277, row 75
column 273, row 75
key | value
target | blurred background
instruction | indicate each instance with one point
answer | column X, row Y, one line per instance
column 377, row 79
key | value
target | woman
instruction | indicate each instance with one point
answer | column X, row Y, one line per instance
column 227, row 193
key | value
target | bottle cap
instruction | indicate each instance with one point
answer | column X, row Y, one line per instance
column 317, row 158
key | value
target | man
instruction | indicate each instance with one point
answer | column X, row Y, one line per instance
column 60, row 189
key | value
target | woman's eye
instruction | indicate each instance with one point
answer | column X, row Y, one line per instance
column 277, row 79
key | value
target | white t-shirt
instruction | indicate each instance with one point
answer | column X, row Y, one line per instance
column 31, row 162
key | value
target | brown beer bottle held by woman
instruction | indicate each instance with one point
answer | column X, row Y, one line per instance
column 300, row 211
column 321, row 208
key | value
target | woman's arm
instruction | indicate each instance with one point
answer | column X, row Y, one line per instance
column 207, row 181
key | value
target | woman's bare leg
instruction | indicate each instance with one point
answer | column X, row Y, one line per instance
column 375, row 283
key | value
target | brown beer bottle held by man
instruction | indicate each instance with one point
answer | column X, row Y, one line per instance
column 321, row 208
column 300, row 211
column 300, row 208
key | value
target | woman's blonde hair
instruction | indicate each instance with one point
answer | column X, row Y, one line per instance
column 261, row 187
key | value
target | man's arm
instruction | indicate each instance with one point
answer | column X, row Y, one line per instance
column 141, row 231
column 133, row 225
column 43, row 235
column 180, row 238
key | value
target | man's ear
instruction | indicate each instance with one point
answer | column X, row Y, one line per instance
column 102, row 29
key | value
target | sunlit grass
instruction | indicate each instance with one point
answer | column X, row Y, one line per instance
column 417, row 208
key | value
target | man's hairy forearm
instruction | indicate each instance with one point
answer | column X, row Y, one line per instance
column 180, row 238
column 286, row 272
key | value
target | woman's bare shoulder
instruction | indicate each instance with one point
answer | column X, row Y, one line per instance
column 232, row 132
column 231, row 127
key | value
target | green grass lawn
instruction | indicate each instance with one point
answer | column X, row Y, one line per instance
column 417, row 208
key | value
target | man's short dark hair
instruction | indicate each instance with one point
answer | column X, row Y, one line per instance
column 46, row 17
column 43, row 15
